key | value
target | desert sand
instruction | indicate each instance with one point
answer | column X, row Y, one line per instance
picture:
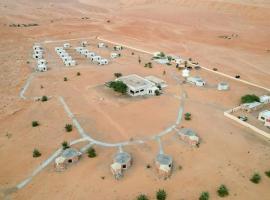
column 229, row 153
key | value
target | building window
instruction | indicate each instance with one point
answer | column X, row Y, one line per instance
column 262, row 118
column 137, row 91
column 131, row 91
column 141, row 90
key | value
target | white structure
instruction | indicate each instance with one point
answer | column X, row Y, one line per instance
column 117, row 47
column 42, row 67
column 37, row 46
column 265, row 99
column 96, row 58
column 196, row 81
column 101, row 45
column 70, row 63
column 223, row 86
column 83, row 43
column 37, row 56
column 90, row 55
column 66, row 45
column 264, row 116
column 251, row 106
column 79, row 49
column 185, row 73
column 103, row 61
column 189, row 136
column 138, row 86
column 42, row 62
column 157, row 81
column 162, row 61
column 115, row 55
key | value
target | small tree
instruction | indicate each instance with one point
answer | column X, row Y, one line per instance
column 35, row 123
column 117, row 75
column 187, row 116
column 78, row 73
column 204, row 196
column 68, row 127
column 161, row 194
column 65, row 79
column 223, row 191
column 161, row 54
column 150, row 65
column 249, row 98
column 142, row 197
column 65, row 145
column 36, row 153
column 91, row 152
column 256, row 178
column 157, row 92
column 267, row 173
column 44, row 98
column 118, row 86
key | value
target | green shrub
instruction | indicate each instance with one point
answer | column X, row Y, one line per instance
column 204, row 196
column 65, row 145
column 65, row 79
column 36, row 153
column 256, row 178
column 187, row 116
column 68, row 127
column 223, row 191
column 35, row 123
column 249, row 98
column 161, row 194
column 91, row 152
column 117, row 75
column 142, row 197
column 44, row 98
column 118, row 86
column 157, row 92
column 267, row 173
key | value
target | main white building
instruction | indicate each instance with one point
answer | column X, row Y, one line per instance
column 139, row 86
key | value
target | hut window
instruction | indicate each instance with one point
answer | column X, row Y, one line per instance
column 70, row 160
column 170, row 165
column 124, row 166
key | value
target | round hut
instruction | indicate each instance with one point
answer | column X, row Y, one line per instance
column 122, row 161
column 223, row 86
column 164, row 165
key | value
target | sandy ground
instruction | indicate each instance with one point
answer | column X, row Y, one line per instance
column 229, row 153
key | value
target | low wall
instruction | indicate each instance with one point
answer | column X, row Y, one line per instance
column 227, row 114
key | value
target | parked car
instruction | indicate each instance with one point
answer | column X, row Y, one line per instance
column 243, row 118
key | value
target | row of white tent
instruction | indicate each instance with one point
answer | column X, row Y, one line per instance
column 38, row 52
column 92, row 56
column 66, row 58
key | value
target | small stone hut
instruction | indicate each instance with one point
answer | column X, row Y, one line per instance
column 68, row 157
column 164, row 164
column 189, row 136
column 122, row 161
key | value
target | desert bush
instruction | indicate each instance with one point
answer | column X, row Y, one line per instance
column 204, row 196
column 223, row 191
column 68, row 127
column 44, row 98
column 256, row 178
column 187, row 116
column 267, row 173
column 157, row 92
column 65, row 145
column 65, row 79
column 36, row 153
column 249, row 98
column 117, row 75
column 161, row 194
column 78, row 73
column 118, row 86
column 91, row 152
column 142, row 197
column 35, row 123
column 148, row 166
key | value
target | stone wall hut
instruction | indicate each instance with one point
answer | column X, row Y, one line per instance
column 189, row 136
column 121, row 162
column 68, row 157
column 164, row 164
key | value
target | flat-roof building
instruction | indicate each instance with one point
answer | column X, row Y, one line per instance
column 121, row 161
column 164, row 165
column 138, row 86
